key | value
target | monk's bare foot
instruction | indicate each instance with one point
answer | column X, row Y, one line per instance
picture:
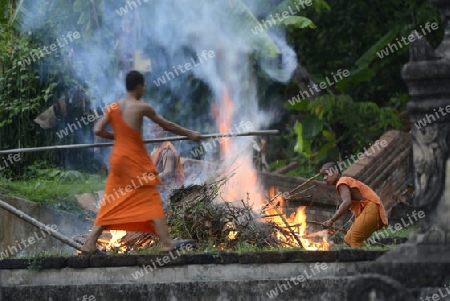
column 88, row 248
column 168, row 245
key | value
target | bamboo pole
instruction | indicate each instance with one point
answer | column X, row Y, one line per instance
column 174, row 138
column 36, row 223
column 301, row 192
column 285, row 222
column 304, row 183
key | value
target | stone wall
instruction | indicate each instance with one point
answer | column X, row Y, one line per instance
column 14, row 230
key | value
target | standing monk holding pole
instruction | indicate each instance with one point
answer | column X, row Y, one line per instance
column 131, row 200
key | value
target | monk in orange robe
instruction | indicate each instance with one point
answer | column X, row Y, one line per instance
column 361, row 200
column 132, row 201
column 167, row 162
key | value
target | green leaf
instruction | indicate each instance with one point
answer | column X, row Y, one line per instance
column 243, row 19
column 361, row 72
column 298, row 130
column 356, row 76
column 321, row 4
column 299, row 22
column 312, row 126
column 329, row 135
column 371, row 54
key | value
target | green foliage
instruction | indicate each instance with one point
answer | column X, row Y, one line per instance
column 39, row 171
column 361, row 71
column 35, row 263
column 20, row 90
column 348, row 36
column 51, row 186
column 299, row 22
column 36, row 260
column 336, row 124
column 244, row 20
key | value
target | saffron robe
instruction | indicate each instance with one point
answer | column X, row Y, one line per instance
column 370, row 214
column 158, row 159
column 131, row 198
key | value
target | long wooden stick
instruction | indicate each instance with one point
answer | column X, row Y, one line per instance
column 304, row 183
column 285, row 222
column 175, row 138
column 40, row 225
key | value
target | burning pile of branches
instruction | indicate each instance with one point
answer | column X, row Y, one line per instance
column 195, row 213
column 198, row 212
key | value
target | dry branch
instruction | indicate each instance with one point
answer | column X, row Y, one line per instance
column 285, row 221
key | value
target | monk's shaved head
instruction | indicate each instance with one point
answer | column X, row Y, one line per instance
column 331, row 167
column 331, row 173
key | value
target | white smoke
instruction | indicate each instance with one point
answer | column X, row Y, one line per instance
column 172, row 33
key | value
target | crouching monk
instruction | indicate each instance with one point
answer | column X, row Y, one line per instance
column 361, row 200
column 167, row 162
column 132, row 201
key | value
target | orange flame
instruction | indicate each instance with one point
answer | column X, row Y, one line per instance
column 114, row 242
column 245, row 179
column 297, row 221
column 225, row 117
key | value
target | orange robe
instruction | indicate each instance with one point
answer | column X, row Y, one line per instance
column 157, row 156
column 370, row 214
column 131, row 198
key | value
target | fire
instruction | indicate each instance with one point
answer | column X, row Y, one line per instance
column 114, row 242
column 225, row 121
column 306, row 239
column 244, row 182
column 232, row 234
column 297, row 222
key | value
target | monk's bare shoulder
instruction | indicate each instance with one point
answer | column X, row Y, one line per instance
column 146, row 106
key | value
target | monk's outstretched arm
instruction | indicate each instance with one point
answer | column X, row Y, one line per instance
column 344, row 192
column 170, row 126
column 99, row 128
